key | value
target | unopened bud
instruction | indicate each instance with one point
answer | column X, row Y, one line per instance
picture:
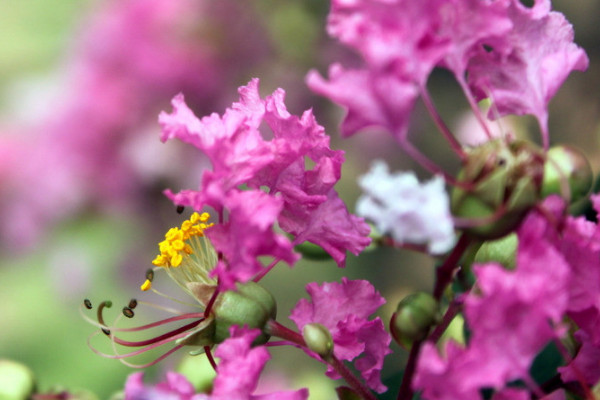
column 567, row 172
column 250, row 305
column 505, row 179
column 502, row 251
column 318, row 339
column 413, row 318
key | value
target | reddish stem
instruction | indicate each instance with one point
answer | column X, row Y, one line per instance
column 451, row 312
column 441, row 125
column 406, row 391
column 445, row 272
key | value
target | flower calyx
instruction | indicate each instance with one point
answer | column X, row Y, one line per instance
column 502, row 181
column 414, row 317
column 250, row 305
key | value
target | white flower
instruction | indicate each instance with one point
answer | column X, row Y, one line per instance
column 410, row 212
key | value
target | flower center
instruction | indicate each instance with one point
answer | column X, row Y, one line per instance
column 186, row 254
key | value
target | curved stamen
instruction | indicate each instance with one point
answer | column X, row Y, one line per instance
column 210, row 357
column 158, row 338
column 142, row 327
column 104, row 327
column 166, row 296
column 120, row 357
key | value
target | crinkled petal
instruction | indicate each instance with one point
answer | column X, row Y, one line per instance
column 523, row 69
column 370, row 98
column 247, row 235
column 240, row 367
column 344, row 308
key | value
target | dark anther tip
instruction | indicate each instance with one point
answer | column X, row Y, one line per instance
column 128, row 312
column 132, row 304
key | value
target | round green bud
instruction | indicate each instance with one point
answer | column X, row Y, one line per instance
column 502, row 251
column 567, row 172
column 16, row 381
column 414, row 317
column 318, row 339
column 250, row 305
column 502, row 181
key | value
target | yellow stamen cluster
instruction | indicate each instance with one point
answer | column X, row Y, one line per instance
column 176, row 246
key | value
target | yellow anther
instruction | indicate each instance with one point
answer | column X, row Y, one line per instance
column 164, row 246
column 195, row 217
column 204, row 217
column 176, row 260
column 160, row 260
column 146, row 285
column 188, row 249
column 178, row 245
column 171, row 233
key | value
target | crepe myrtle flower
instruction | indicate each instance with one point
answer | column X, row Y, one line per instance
column 243, row 160
column 515, row 55
column 343, row 309
column 238, row 372
column 188, row 258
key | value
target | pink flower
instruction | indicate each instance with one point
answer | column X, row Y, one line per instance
column 517, row 55
column 401, row 42
column 524, row 68
column 511, row 316
column 176, row 387
column 247, row 235
column 239, row 370
column 309, row 207
column 585, row 367
column 372, row 98
column 344, row 308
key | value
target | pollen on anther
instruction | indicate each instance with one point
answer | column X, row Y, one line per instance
column 146, row 285
column 87, row 303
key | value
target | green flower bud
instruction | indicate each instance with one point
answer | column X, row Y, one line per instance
column 502, row 251
column 506, row 181
column 413, row 318
column 251, row 305
column 312, row 251
column 318, row 339
column 16, row 381
column 567, row 172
